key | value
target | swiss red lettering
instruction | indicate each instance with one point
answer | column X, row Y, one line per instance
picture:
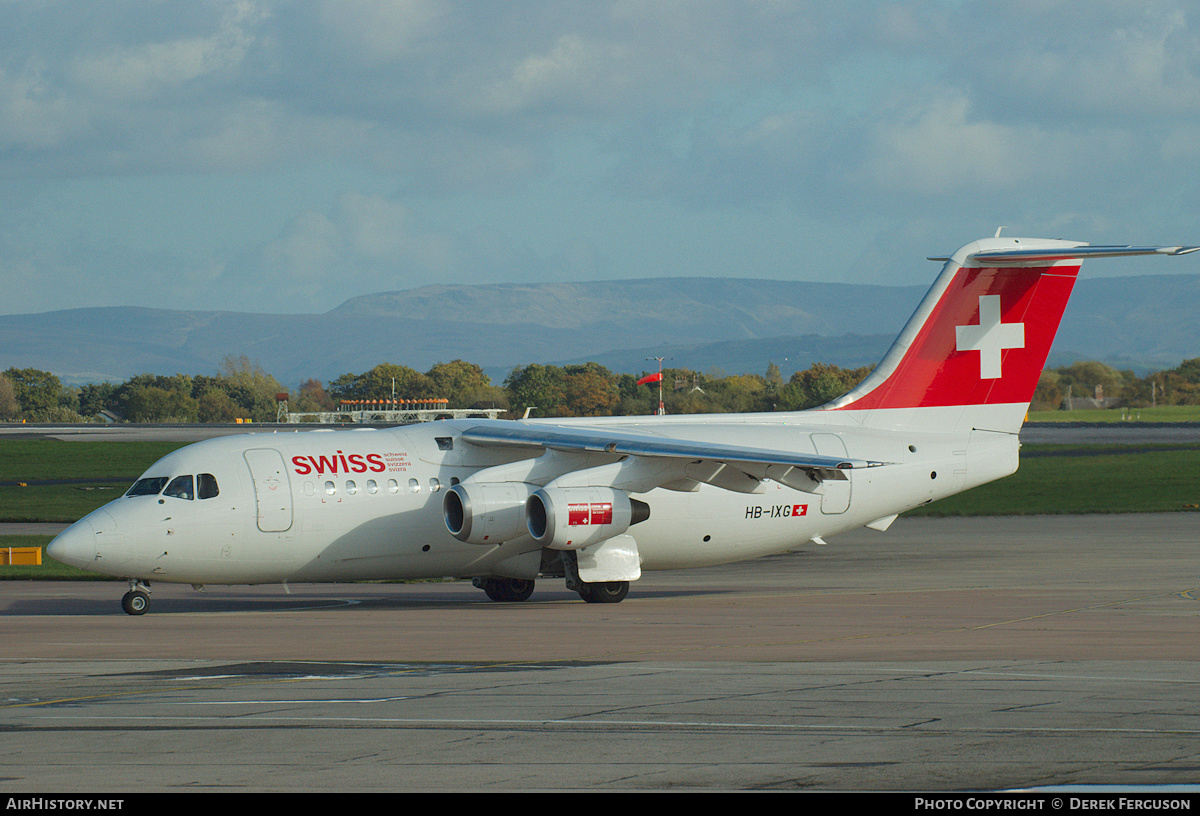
column 578, row 514
column 339, row 463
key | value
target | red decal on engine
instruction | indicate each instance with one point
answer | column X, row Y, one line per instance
column 579, row 515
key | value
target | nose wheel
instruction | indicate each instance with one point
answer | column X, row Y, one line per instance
column 137, row 600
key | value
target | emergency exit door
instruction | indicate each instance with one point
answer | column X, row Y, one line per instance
column 836, row 498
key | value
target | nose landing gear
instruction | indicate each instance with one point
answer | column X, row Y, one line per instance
column 137, row 600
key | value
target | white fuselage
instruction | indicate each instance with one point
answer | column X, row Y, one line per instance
column 367, row 504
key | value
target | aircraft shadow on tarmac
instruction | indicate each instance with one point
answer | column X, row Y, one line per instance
column 353, row 599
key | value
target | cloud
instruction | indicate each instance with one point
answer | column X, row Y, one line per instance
column 146, row 70
column 382, row 32
column 488, row 139
column 941, row 148
column 1047, row 59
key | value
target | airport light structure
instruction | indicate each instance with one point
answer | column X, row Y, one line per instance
column 400, row 411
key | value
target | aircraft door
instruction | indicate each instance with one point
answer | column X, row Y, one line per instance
column 272, row 489
column 836, row 498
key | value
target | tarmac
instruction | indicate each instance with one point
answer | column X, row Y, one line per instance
column 977, row 654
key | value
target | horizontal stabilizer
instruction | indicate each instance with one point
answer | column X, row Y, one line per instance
column 1012, row 257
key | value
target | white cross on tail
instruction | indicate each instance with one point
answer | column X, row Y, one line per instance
column 990, row 337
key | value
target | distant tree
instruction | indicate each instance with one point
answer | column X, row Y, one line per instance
column 1189, row 370
column 1176, row 386
column 458, row 381
column 491, row 397
column 150, row 403
column 378, row 383
column 311, row 397
column 588, row 390
column 774, row 378
column 9, row 407
column 215, row 405
column 1182, row 383
column 739, row 393
column 148, row 397
column 35, row 391
column 819, row 384
column 251, row 387
column 1049, row 393
column 95, row 397
column 635, row 399
column 535, row 385
column 1083, row 377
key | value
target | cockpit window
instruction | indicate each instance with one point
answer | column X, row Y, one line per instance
column 180, row 488
column 147, row 487
column 206, row 486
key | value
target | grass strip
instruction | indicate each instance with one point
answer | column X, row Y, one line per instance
column 1055, row 479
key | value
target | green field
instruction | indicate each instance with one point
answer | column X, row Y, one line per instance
column 1074, row 479
column 1161, row 413
column 64, row 481
column 50, row 480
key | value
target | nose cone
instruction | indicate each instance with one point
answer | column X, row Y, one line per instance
column 75, row 546
column 95, row 543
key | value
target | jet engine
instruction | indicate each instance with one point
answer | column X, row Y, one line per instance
column 570, row 518
column 486, row 513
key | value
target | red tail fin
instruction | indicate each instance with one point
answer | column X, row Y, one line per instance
column 981, row 336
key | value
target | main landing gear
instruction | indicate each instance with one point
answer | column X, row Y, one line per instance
column 137, row 600
column 515, row 590
column 554, row 565
column 606, row 592
column 506, row 589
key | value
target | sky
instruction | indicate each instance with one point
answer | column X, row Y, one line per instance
column 283, row 156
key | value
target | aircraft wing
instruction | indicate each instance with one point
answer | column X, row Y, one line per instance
column 803, row 471
column 598, row 440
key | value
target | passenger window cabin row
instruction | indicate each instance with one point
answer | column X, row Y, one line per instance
column 372, row 487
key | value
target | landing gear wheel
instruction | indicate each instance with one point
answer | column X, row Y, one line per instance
column 605, row 592
column 519, row 589
column 135, row 602
column 512, row 590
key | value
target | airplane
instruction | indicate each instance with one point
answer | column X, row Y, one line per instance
column 596, row 501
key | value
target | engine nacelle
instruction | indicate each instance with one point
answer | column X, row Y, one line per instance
column 570, row 518
column 486, row 513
